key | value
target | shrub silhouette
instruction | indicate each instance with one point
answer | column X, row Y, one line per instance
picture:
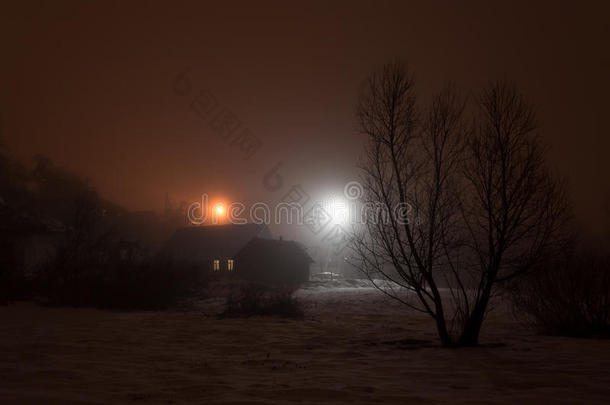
column 253, row 299
column 155, row 283
column 569, row 295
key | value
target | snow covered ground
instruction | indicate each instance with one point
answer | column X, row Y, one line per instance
column 354, row 346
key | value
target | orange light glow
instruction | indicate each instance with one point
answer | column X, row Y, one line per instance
column 219, row 209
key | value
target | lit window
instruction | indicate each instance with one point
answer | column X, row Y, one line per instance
column 230, row 264
column 216, row 265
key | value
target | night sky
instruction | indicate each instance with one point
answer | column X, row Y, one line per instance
column 92, row 85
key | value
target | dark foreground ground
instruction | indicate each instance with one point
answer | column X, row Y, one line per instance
column 353, row 347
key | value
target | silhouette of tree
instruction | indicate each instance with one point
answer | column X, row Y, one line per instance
column 513, row 209
column 462, row 206
column 409, row 165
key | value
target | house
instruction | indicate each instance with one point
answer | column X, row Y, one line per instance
column 27, row 240
column 247, row 251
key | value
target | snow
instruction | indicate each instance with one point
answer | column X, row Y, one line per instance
column 355, row 346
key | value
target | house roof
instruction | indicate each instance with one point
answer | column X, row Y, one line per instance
column 287, row 248
column 213, row 241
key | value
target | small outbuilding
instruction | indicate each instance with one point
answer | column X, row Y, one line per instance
column 274, row 261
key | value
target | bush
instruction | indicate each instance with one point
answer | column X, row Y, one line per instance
column 569, row 296
column 254, row 299
column 156, row 283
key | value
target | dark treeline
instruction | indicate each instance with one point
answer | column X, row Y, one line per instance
column 63, row 244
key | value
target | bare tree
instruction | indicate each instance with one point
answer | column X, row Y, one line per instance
column 409, row 171
column 514, row 210
column 462, row 207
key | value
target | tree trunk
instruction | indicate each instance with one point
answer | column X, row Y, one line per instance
column 472, row 328
column 443, row 333
column 470, row 334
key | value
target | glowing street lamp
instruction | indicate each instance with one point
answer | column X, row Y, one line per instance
column 218, row 212
column 338, row 209
column 219, row 209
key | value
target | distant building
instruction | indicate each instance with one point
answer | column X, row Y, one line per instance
column 27, row 241
column 246, row 251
